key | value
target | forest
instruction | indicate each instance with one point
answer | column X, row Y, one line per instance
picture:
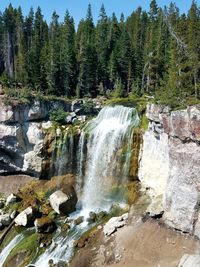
column 153, row 53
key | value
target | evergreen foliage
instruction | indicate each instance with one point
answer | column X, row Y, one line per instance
column 155, row 53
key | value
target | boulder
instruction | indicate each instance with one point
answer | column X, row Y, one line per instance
column 190, row 261
column 11, row 199
column 26, row 217
column 45, row 225
column 5, row 219
column 63, row 202
column 114, row 223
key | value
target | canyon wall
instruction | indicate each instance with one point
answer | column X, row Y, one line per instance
column 170, row 166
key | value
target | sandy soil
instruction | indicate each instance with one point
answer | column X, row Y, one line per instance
column 11, row 184
column 140, row 244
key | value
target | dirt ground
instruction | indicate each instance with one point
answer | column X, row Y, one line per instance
column 139, row 244
column 11, row 184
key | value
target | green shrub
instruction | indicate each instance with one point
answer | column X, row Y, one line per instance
column 58, row 115
column 88, row 107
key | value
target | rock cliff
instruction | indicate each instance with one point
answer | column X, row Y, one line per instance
column 22, row 133
column 170, row 166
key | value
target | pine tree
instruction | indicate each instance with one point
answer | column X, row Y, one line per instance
column 1, row 45
column 68, row 56
column 54, row 72
column 20, row 70
column 114, row 33
column 193, row 45
column 39, row 39
column 87, row 58
column 102, row 48
column 9, row 18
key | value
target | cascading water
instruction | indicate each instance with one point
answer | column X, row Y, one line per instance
column 103, row 154
column 64, row 156
column 106, row 165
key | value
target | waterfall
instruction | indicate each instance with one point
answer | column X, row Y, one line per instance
column 108, row 154
column 81, row 163
column 64, row 154
column 103, row 154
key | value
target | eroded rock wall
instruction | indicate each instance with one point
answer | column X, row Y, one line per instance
column 170, row 165
column 23, row 128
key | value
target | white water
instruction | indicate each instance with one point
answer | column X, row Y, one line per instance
column 108, row 133
column 6, row 251
column 62, row 246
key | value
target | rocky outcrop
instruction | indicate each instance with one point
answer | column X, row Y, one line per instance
column 22, row 133
column 114, row 223
column 63, row 203
column 170, row 165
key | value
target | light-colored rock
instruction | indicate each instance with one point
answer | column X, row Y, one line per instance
column 170, row 166
column 63, row 203
column 47, row 125
column 183, row 188
column 11, row 199
column 6, row 113
column 114, row 223
column 5, row 219
column 190, row 261
column 32, row 163
column 26, row 217
column 154, row 164
column 34, row 133
column 154, row 111
column 21, row 133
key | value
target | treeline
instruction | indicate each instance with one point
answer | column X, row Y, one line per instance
column 155, row 52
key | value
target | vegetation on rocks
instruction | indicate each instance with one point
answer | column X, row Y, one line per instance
column 26, row 251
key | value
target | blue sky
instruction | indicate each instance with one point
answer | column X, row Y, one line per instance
column 77, row 8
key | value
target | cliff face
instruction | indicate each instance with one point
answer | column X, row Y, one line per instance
column 22, row 134
column 170, row 166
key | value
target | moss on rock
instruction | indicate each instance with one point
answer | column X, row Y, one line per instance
column 25, row 252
